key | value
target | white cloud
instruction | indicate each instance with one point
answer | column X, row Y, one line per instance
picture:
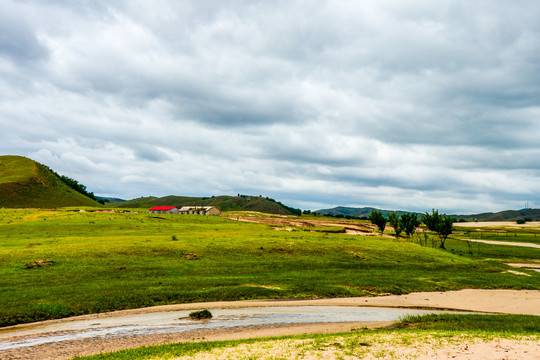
column 400, row 105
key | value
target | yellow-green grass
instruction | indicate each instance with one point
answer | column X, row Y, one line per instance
column 26, row 183
column 481, row 251
column 108, row 261
column 16, row 168
column 413, row 332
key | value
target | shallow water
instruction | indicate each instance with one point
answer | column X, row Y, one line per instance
column 178, row 321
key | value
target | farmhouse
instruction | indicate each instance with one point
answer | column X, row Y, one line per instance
column 164, row 210
column 199, row 210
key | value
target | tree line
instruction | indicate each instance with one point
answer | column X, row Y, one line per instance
column 439, row 223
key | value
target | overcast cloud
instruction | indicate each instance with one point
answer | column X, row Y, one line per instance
column 399, row 105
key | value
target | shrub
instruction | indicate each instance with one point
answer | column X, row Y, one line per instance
column 200, row 314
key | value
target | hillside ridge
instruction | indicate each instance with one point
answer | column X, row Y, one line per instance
column 222, row 202
column 27, row 183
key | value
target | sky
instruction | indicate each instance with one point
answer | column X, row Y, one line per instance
column 398, row 105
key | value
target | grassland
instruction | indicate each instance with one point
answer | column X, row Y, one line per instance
column 500, row 233
column 414, row 336
column 105, row 261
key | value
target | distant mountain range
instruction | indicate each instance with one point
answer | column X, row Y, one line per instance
column 506, row 215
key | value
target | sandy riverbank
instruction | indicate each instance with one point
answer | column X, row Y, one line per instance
column 495, row 301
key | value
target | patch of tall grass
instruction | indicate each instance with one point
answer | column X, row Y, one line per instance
column 514, row 324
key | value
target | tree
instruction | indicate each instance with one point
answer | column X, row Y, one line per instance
column 441, row 224
column 409, row 223
column 377, row 218
column 445, row 229
column 395, row 221
column 431, row 220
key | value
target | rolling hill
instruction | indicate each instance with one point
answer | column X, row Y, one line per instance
column 27, row 183
column 223, row 202
column 506, row 215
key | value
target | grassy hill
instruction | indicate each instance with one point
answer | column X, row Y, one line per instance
column 26, row 183
column 223, row 202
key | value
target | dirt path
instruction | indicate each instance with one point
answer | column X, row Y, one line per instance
column 497, row 301
column 482, row 224
column 506, row 243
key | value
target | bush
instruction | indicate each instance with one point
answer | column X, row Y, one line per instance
column 200, row 314
column 521, row 221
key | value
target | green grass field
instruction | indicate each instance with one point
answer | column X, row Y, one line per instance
column 107, row 261
column 500, row 233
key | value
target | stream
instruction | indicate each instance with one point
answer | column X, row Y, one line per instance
column 166, row 322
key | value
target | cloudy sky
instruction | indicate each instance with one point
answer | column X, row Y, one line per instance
column 395, row 104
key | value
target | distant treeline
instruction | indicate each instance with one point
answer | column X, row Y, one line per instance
column 349, row 217
column 75, row 185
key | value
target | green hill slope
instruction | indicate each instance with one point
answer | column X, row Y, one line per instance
column 26, row 183
column 223, row 202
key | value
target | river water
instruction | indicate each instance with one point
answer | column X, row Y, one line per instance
column 166, row 322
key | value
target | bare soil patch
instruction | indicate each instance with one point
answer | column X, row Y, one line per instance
column 350, row 227
column 389, row 346
column 38, row 263
column 530, row 266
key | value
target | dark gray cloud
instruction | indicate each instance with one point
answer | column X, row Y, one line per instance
column 18, row 40
column 414, row 105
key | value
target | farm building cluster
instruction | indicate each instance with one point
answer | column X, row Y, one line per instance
column 185, row 210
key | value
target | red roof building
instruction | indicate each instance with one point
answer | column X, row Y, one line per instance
column 164, row 210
